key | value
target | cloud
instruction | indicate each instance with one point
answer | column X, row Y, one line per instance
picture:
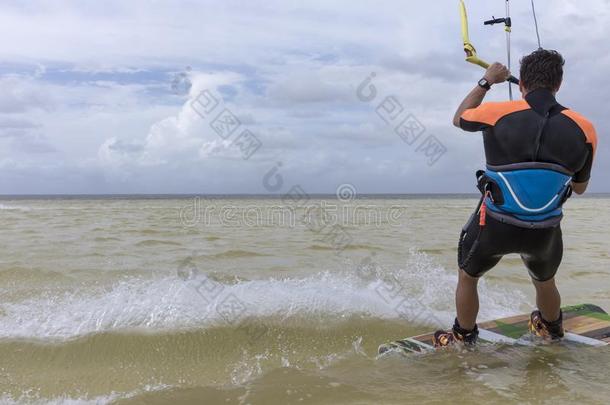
column 314, row 85
column 17, row 123
column 90, row 86
column 185, row 136
column 20, row 94
column 32, row 144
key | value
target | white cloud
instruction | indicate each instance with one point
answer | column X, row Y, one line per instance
column 86, row 94
column 21, row 94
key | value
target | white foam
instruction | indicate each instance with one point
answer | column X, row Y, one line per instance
column 13, row 208
column 422, row 292
column 33, row 398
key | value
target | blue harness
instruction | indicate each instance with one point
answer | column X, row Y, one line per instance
column 527, row 194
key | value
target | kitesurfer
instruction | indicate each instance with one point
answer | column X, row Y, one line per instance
column 537, row 153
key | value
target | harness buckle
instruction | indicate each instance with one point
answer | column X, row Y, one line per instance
column 488, row 186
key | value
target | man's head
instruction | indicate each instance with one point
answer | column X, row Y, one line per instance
column 542, row 69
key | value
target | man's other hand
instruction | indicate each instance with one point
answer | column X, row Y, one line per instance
column 579, row 188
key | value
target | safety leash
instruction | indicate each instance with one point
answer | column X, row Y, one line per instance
column 483, row 210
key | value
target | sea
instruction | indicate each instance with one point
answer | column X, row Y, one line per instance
column 273, row 300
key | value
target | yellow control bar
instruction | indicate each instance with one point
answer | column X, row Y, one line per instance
column 471, row 52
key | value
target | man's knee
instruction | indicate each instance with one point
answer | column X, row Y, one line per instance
column 467, row 278
column 543, row 285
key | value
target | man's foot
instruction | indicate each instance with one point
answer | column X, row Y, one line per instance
column 456, row 334
column 546, row 330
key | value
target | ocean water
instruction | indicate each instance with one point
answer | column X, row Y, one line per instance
column 224, row 300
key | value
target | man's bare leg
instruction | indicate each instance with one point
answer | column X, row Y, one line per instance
column 548, row 299
column 467, row 300
column 467, row 306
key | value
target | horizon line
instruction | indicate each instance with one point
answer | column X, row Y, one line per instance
column 267, row 195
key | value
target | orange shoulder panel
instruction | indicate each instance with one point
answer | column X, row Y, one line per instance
column 584, row 124
column 490, row 113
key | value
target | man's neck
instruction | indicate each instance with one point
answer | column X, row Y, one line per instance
column 524, row 93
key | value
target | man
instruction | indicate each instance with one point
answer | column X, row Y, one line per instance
column 537, row 153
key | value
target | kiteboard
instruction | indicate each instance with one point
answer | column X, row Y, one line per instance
column 585, row 324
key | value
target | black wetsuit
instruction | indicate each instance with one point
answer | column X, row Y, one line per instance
column 511, row 134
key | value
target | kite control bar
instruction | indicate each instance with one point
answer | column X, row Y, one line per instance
column 471, row 52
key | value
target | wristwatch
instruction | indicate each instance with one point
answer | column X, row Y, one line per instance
column 485, row 84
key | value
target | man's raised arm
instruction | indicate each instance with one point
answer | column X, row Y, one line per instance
column 496, row 73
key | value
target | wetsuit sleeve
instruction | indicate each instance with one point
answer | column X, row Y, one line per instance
column 588, row 130
column 584, row 174
column 476, row 119
column 488, row 114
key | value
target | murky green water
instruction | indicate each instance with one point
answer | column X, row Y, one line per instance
column 159, row 300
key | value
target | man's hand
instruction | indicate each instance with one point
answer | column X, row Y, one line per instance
column 497, row 73
column 579, row 188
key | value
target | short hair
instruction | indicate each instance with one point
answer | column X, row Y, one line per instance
column 542, row 69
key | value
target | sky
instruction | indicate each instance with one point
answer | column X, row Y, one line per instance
column 219, row 97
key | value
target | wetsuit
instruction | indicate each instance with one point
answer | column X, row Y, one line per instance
column 536, row 133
